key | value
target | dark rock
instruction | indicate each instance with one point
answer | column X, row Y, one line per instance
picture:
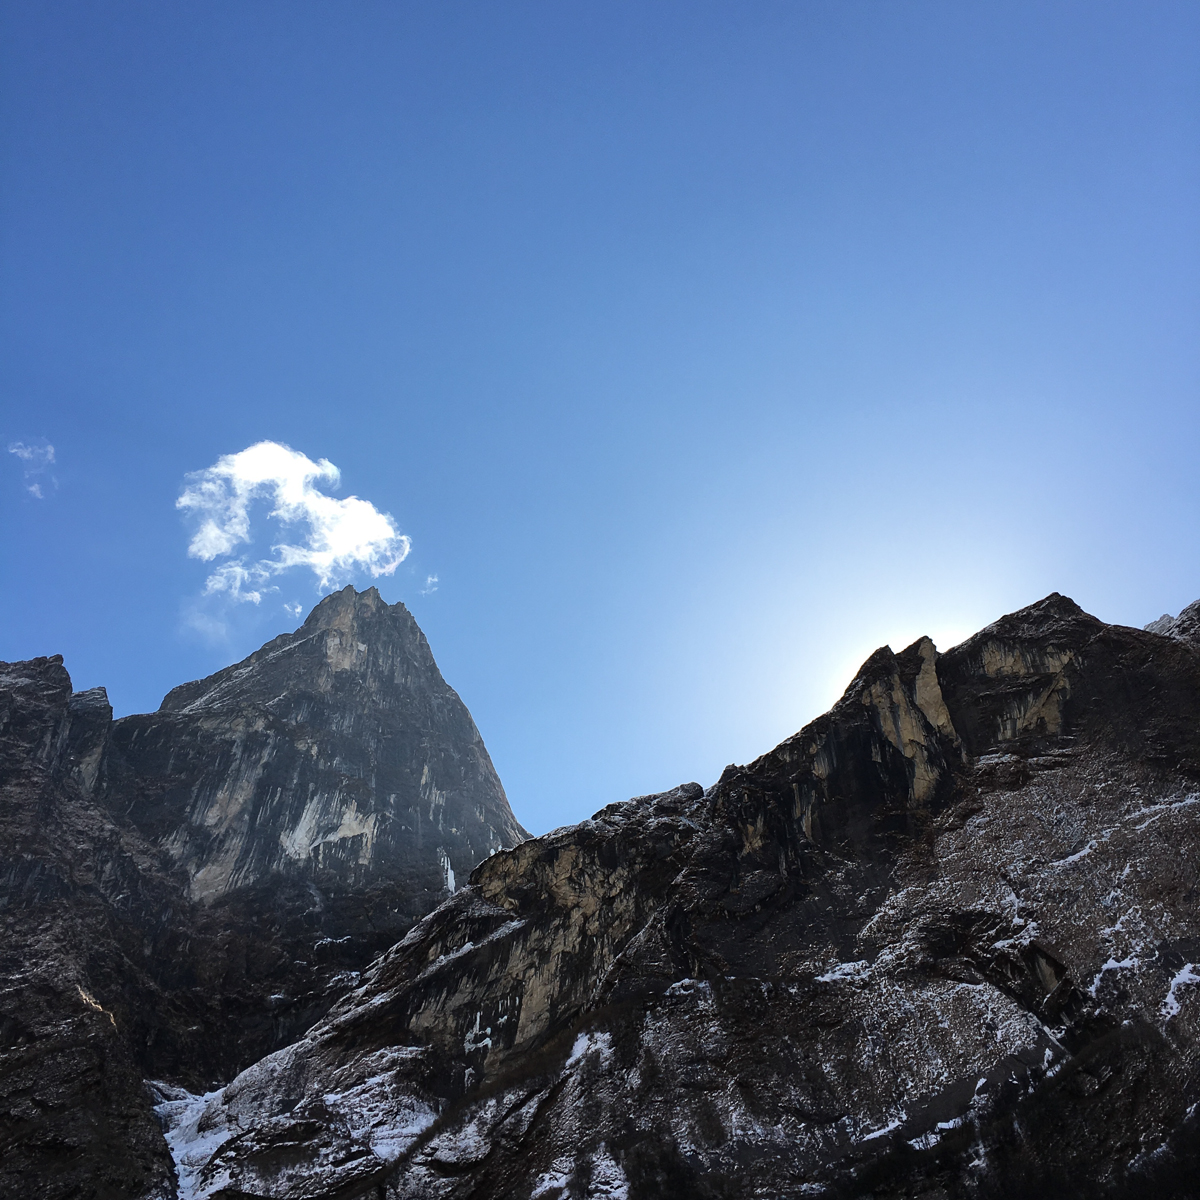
column 336, row 752
column 943, row 942
column 183, row 892
column 938, row 943
column 1185, row 626
column 75, row 1118
column 317, row 799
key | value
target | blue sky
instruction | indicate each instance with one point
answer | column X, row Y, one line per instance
column 698, row 348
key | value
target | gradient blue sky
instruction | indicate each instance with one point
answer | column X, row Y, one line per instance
column 699, row 348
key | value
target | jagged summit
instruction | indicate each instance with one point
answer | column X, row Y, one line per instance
column 941, row 942
column 184, row 891
column 337, row 751
column 1186, row 625
column 346, row 631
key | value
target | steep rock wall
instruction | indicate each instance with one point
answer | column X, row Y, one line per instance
column 942, row 942
column 337, row 752
column 74, row 1116
column 183, row 892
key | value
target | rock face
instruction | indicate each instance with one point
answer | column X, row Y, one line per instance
column 184, row 892
column 73, row 1114
column 336, row 753
column 316, row 799
column 944, row 941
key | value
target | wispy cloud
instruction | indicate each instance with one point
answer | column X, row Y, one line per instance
column 335, row 536
column 37, row 461
column 431, row 584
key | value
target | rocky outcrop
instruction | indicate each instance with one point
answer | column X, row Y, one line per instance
column 315, row 799
column 74, row 1115
column 943, row 941
column 186, row 891
column 1186, row 626
column 335, row 753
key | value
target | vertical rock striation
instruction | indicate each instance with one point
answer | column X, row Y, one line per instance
column 336, row 754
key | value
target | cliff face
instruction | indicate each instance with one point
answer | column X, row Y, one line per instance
column 73, row 1113
column 944, row 941
column 337, row 753
column 314, row 801
column 183, row 892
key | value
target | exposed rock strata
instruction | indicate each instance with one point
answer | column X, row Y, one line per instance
column 336, row 752
column 183, row 892
column 944, row 941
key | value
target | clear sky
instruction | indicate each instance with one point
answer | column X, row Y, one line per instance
column 697, row 348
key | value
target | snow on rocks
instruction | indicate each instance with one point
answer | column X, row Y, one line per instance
column 865, row 942
column 1185, row 976
column 195, row 1128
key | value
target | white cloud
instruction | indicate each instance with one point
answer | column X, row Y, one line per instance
column 337, row 536
column 431, row 584
column 38, row 457
column 231, row 577
column 37, row 460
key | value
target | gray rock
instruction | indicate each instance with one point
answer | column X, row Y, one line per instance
column 75, row 1119
column 1185, row 626
column 942, row 942
column 336, row 752
column 186, row 891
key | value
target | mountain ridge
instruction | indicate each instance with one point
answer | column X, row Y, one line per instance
column 937, row 943
column 941, row 942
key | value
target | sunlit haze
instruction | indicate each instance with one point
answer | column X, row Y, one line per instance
column 664, row 359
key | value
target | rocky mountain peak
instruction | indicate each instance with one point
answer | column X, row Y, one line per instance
column 352, row 643
column 185, row 891
column 335, row 752
column 941, row 942
column 1186, row 626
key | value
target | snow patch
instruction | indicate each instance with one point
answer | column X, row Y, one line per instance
column 1126, row 964
column 586, row 1043
column 466, row 948
column 553, row 1183
column 195, row 1128
column 841, row 971
column 1183, row 977
column 1153, row 811
column 608, row 1181
column 878, row 1133
column 379, row 1111
column 690, row 987
column 1071, row 858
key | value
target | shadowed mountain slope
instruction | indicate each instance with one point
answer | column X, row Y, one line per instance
column 942, row 942
column 185, row 891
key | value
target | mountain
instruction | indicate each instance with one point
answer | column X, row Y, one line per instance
column 336, row 753
column 76, row 886
column 942, row 942
column 185, row 891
